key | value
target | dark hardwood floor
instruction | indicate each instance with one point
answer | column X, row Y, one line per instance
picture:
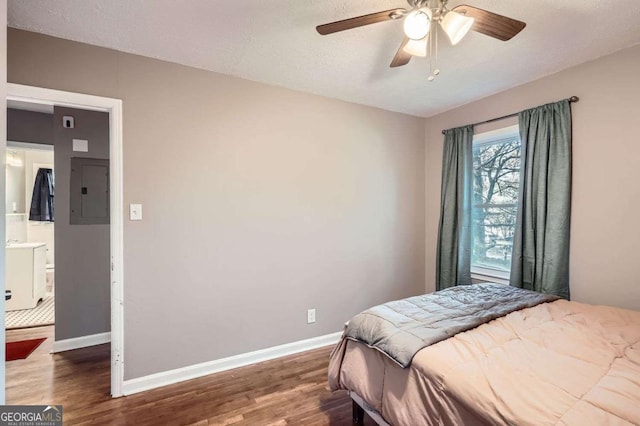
column 286, row 391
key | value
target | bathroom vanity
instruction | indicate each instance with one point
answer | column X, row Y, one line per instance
column 26, row 274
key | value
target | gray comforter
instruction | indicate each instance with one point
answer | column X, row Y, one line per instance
column 401, row 328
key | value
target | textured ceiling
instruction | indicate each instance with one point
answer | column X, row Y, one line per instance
column 274, row 41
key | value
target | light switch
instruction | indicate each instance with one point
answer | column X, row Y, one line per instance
column 81, row 145
column 135, row 211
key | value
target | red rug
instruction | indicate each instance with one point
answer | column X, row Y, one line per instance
column 22, row 349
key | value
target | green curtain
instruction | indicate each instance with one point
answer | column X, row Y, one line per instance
column 540, row 259
column 453, row 263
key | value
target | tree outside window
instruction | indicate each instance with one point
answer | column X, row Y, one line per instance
column 496, row 182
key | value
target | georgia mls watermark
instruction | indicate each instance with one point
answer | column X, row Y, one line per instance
column 30, row 415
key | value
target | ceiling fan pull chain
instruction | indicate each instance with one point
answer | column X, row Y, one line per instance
column 431, row 76
column 436, row 71
column 433, row 33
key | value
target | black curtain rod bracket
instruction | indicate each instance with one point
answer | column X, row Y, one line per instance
column 572, row 99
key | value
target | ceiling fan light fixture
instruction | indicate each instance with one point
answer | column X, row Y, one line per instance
column 417, row 23
column 417, row 47
column 456, row 26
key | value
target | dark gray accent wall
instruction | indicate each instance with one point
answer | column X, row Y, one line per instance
column 82, row 251
column 82, row 280
column 29, row 126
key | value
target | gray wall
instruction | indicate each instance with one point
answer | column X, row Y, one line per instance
column 82, row 277
column 259, row 202
column 82, row 251
column 29, row 126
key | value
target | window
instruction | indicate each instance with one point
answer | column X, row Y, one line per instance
column 496, row 182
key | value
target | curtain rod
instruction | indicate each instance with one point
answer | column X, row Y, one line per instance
column 571, row 100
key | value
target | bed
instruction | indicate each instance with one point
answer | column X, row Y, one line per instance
column 553, row 363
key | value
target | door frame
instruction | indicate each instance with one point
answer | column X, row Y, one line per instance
column 43, row 96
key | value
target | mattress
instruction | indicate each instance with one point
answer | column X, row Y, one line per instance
column 558, row 363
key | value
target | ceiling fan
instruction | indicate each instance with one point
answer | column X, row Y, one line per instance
column 421, row 23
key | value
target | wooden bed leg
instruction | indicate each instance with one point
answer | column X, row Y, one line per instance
column 358, row 414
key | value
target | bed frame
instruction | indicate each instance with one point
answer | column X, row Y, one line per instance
column 360, row 407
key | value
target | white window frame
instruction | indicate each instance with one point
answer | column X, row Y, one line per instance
column 483, row 273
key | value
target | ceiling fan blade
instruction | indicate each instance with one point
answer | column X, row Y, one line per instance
column 402, row 57
column 491, row 24
column 360, row 21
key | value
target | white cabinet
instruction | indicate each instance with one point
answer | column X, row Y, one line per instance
column 26, row 275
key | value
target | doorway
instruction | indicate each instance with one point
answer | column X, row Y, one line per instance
column 30, row 235
column 113, row 107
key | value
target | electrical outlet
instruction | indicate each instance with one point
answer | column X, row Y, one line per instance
column 311, row 316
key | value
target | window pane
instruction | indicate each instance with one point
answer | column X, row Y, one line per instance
column 496, row 172
column 493, row 229
column 496, row 182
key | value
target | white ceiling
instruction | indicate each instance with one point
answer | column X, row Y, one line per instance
column 275, row 42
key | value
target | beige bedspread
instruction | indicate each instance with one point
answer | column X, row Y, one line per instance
column 559, row 363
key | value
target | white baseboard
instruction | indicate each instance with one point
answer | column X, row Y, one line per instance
column 80, row 342
column 164, row 378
